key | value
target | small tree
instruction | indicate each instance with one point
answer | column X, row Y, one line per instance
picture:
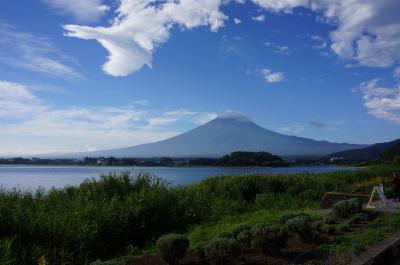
column 172, row 248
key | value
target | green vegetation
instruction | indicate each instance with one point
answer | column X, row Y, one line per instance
column 121, row 215
column 235, row 159
column 346, row 208
column 220, row 251
column 301, row 226
column 392, row 154
column 251, row 159
column 172, row 248
column 269, row 238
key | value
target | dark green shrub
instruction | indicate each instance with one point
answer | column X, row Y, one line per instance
column 238, row 229
column 329, row 219
column 109, row 262
column 355, row 219
column 371, row 215
column 220, row 251
column 224, row 234
column 301, row 226
column 244, row 239
column 344, row 227
column 389, row 192
column 289, row 215
column 172, row 248
column 346, row 208
column 269, row 238
column 327, row 229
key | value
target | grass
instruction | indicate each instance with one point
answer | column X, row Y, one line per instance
column 108, row 218
column 361, row 239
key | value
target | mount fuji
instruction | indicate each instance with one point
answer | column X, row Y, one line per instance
column 227, row 133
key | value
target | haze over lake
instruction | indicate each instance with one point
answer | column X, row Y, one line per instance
column 46, row 177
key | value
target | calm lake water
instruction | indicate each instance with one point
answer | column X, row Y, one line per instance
column 32, row 177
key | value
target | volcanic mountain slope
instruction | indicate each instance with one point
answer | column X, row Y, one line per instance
column 227, row 134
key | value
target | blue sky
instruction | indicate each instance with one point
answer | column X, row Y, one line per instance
column 91, row 75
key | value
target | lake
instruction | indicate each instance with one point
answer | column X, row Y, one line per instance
column 46, row 177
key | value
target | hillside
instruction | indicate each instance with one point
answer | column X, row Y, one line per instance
column 393, row 153
column 373, row 152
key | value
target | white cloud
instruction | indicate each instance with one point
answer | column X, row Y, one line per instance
column 321, row 42
column 30, row 125
column 81, row 10
column 142, row 25
column 34, row 53
column 368, row 31
column 231, row 114
column 170, row 117
column 292, row 130
column 272, row 77
column 396, row 73
column 284, row 50
column 260, row 18
column 280, row 5
column 382, row 102
column 237, row 21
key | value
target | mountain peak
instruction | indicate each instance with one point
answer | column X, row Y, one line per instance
column 234, row 115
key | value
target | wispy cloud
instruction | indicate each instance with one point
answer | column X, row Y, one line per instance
column 237, row 21
column 260, row 18
column 34, row 53
column 382, row 102
column 292, row 130
column 396, row 73
column 319, row 42
column 272, row 77
column 170, row 117
column 38, row 127
column 284, row 50
column 366, row 31
column 317, row 124
column 83, row 11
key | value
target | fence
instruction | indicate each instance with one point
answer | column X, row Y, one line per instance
column 347, row 248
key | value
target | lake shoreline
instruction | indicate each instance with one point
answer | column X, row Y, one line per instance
column 31, row 177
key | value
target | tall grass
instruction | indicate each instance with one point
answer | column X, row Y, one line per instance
column 105, row 218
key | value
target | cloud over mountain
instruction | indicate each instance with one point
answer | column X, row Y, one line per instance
column 27, row 120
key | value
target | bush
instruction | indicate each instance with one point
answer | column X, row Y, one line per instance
column 346, row 208
column 244, row 238
column 344, row 227
column 172, row 248
column 301, row 226
column 238, row 229
column 329, row 219
column 389, row 193
column 357, row 218
column 289, row 215
column 110, row 262
column 327, row 229
column 269, row 238
column 220, row 251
